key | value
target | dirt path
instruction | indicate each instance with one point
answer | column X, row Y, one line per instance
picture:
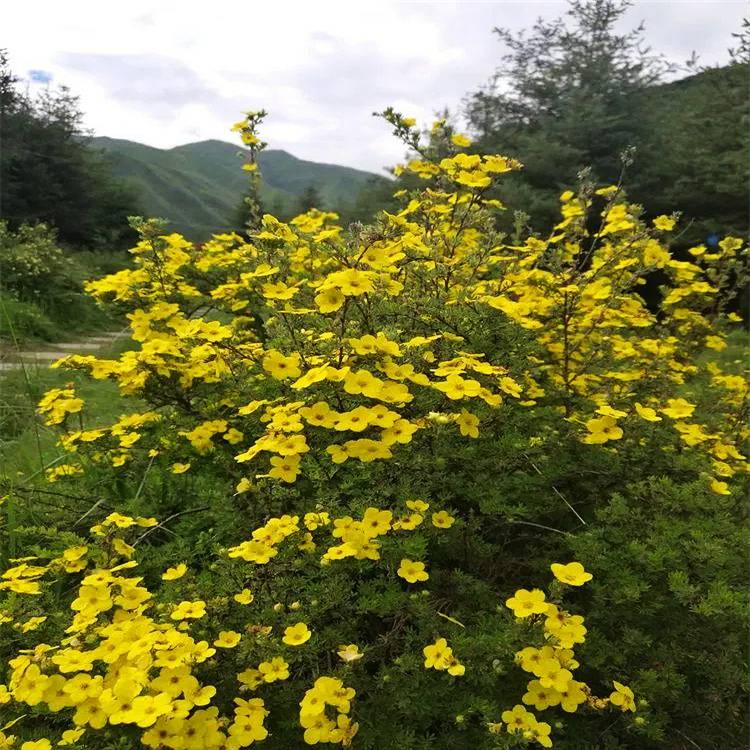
column 44, row 355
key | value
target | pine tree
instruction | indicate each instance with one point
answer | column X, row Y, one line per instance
column 49, row 173
column 564, row 99
column 310, row 198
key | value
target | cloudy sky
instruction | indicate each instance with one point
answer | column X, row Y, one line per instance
column 166, row 73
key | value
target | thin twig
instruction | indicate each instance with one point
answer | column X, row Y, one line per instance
column 542, row 526
column 143, row 479
column 167, row 520
column 556, row 491
column 89, row 511
column 692, row 742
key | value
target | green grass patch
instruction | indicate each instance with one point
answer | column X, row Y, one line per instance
column 26, row 444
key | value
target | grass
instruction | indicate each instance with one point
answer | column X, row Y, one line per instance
column 24, row 323
column 28, row 448
column 26, row 445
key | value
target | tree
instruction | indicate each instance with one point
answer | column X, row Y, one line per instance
column 310, row 198
column 49, row 173
column 698, row 150
column 563, row 99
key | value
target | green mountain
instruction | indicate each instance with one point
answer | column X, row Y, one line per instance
column 198, row 187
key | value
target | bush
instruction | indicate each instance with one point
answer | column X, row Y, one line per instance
column 355, row 450
column 34, row 267
column 43, row 285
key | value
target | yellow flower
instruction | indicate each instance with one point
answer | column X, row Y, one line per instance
column 281, row 367
column 37, row 745
column 678, row 408
column 189, row 610
column 525, row 603
column 717, row 343
column 420, row 506
column 72, row 660
column 172, row 574
column 146, row 709
column 296, row 635
column 573, row 573
column 70, row 737
column 253, row 551
column 279, row 291
column 285, row 468
column 227, row 639
column 352, row 282
column 572, row 697
column 251, row 677
column 179, row 468
column 647, row 413
column 31, row 624
column 665, row 223
column 622, row 697
column 719, row 487
column 442, row 520
column 540, row 697
column 412, row 571
column 274, row 670
column 455, row 668
column 349, row 653
column 71, row 554
column 468, row 424
column 518, row 719
column 455, row 387
column 475, row 179
column 243, row 485
column 319, row 414
column 540, row 731
column 400, row 432
column 460, row 140
column 437, row 655
column 553, row 676
column 608, row 411
column 376, row 522
column 244, row 597
column 602, row 430
column 329, row 300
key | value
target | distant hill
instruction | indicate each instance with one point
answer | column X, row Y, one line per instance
column 197, row 187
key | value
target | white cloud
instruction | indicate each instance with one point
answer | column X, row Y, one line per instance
column 174, row 72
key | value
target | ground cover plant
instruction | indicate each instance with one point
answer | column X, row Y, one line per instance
column 412, row 485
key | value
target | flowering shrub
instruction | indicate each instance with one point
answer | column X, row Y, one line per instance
column 34, row 266
column 353, row 411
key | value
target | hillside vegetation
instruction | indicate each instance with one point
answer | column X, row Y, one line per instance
column 198, row 187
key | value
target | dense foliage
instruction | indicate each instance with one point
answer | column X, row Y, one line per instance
column 577, row 93
column 41, row 285
column 349, row 463
column 48, row 174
